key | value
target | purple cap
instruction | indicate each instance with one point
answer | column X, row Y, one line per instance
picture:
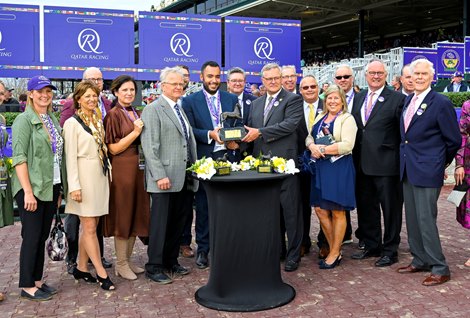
column 39, row 82
column 458, row 74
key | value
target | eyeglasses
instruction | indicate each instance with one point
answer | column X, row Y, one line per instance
column 272, row 79
column 379, row 74
column 340, row 77
column 311, row 87
column 236, row 81
column 289, row 76
column 175, row 84
column 96, row 80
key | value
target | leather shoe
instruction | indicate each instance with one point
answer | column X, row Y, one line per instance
column 365, row 254
column 186, row 251
column 386, row 261
column 201, row 260
column 410, row 269
column 434, row 279
column 323, row 252
column 106, row 264
column 48, row 289
column 159, row 277
column 39, row 295
column 291, row 266
column 178, row 269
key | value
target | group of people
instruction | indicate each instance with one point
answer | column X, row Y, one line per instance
column 371, row 150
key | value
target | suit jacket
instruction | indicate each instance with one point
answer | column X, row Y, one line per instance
column 247, row 106
column 68, row 109
column 302, row 129
column 164, row 146
column 431, row 141
column 195, row 107
column 279, row 134
column 377, row 142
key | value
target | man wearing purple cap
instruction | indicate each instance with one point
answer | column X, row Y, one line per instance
column 456, row 84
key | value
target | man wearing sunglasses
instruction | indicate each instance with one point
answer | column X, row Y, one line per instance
column 377, row 112
column 312, row 106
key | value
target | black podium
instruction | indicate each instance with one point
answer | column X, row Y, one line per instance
column 245, row 273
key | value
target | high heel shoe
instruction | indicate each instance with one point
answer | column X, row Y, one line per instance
column 324, row 265
column 87, row 277
column 106, row 283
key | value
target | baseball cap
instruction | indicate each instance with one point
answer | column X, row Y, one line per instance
column 39, row 82
column 458, row 74
column 9, row 89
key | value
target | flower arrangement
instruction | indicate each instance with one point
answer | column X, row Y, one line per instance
column 205, row 168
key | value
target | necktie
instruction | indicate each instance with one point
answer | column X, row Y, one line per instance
column 185, row 131
column 410, row 111
column 268, row 108
column 311, row 117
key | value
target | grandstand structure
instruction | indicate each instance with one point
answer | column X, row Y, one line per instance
column 347, row 25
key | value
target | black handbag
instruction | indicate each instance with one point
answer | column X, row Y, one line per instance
column 57, row 245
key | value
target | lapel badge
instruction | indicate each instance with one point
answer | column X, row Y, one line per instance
column 276, row 103
column 380, row 99
column 248, row 102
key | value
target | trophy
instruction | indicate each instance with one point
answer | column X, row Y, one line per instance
column 265, row 164
column 222, row 166
column 231, row 133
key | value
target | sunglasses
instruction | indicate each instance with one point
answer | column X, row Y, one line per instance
column 307, row 87
column 340, row 77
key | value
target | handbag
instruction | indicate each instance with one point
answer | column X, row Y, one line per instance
column 57, row 245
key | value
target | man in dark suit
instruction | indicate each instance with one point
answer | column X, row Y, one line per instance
column 377, row 113
column 312, row 106
column 272, row 126
column 457, row 84
column 71, row 221
column 407, row 84
column 169, row 148
column 430, row 139
column 203, row 110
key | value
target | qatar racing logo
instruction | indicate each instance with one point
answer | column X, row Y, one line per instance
column 180, row 44
column 1, row 38
column 89, row 41
column 263, row 48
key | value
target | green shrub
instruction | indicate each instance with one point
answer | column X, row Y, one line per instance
column 10, row 117
column 458, row 98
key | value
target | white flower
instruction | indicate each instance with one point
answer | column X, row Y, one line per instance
column 290, row 167
column 236, row 166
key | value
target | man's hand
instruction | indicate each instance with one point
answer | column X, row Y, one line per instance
column 214, row 135
column 252, row 134
column 164, row 184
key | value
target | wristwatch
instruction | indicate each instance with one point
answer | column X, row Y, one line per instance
column 322, row 150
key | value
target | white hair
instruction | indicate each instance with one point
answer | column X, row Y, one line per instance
column 170, row 70
column 421, row 61
column 269, row 67
column 288, row 67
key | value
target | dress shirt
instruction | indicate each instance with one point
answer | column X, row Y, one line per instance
column 172, row 105
column 374, row 99
column 351, row 101
column 307, row 111
column 420, row 99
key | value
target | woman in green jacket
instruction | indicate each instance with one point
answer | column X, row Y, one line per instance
column 36, row 182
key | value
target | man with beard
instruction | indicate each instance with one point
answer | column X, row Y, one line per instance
column 203, row 110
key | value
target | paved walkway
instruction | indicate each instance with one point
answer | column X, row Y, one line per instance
column 354, row 289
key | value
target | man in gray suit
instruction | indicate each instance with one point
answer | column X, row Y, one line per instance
column 169, row 148
column 272, row 127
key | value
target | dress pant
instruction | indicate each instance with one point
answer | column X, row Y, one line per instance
column 72, row 227
column 186, row 237
column 423, row 234
column 202, row 213
column 35, row 229
column 167, row 218
column 373, row 195
column 290, row 206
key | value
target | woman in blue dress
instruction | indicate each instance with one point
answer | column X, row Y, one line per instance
column 330, row 143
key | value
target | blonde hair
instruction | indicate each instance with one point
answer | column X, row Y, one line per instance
column 29, row 103
column 335, row 89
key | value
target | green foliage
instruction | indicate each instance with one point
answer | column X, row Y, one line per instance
column 11, row 116
column 458, row 98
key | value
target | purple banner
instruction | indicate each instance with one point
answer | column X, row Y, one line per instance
column 169, row 39
column 450, row 58
column 250, row 43
column 467, row 54
column 76, row 38
column 413, row 53
column 19, row 40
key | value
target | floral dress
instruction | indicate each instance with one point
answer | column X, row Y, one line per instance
column 463, row 159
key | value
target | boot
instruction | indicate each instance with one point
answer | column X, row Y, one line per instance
column 122, row 267
column 130, row 247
